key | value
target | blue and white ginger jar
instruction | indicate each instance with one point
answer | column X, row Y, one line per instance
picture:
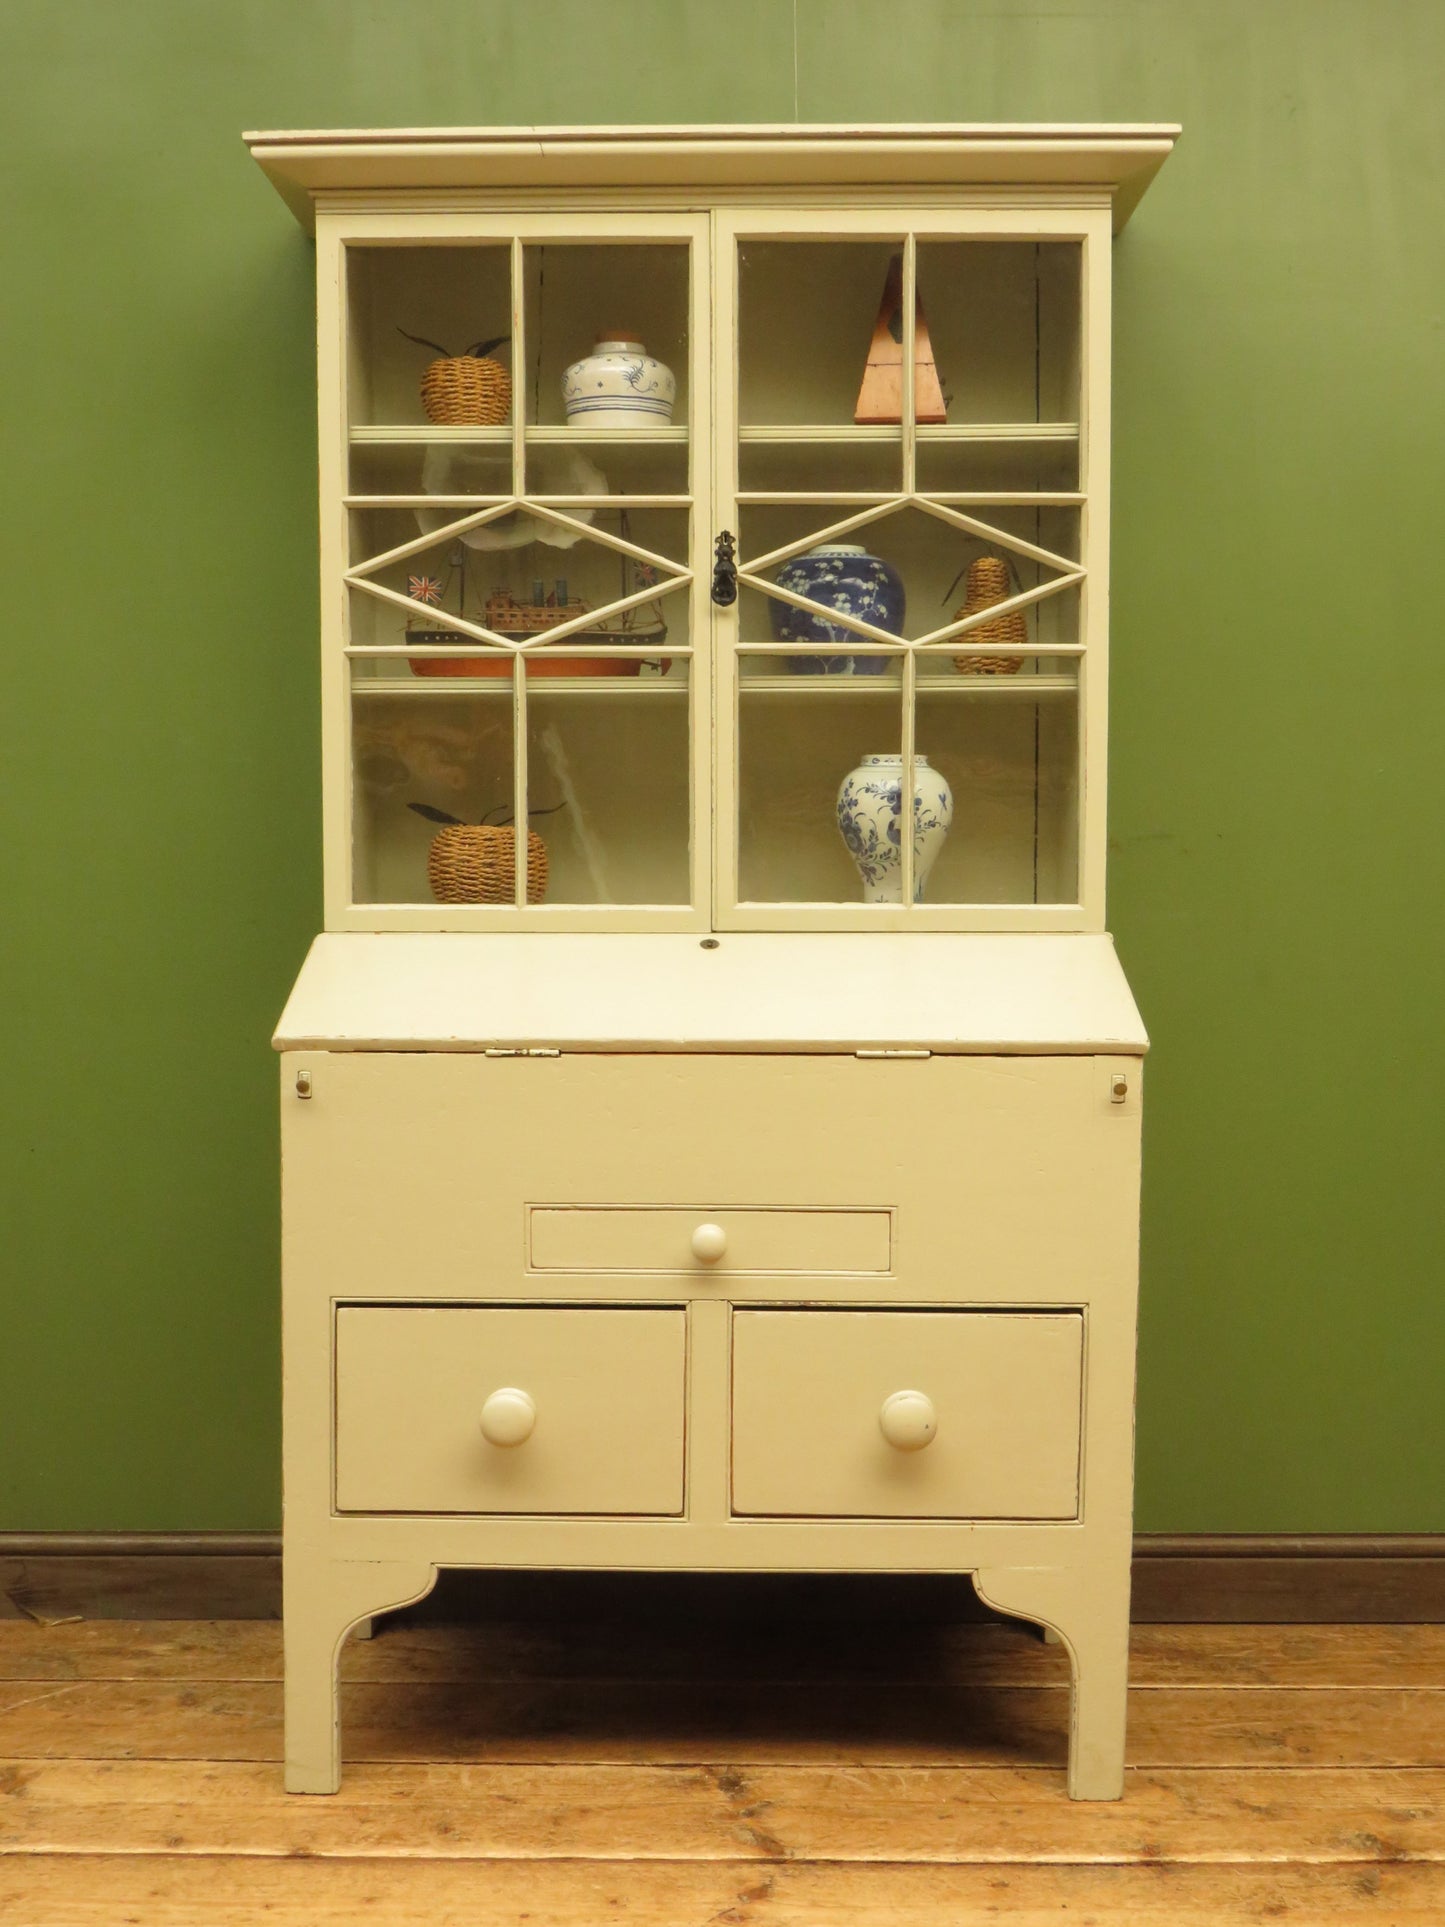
column 870, row 817
column 619, row 385
column 845, row 577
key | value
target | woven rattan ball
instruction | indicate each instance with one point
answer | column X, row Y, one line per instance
column 467, row 391
column 987, row 582
column 475, row 863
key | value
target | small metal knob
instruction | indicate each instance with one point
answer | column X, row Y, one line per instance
column 908, row 1421
column 709, row 1242
column 508, row 1417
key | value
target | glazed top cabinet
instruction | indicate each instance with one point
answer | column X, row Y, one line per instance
column 527, row 616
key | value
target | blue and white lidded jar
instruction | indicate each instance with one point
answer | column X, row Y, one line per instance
column 870, row 817
column 619, row 385
column 845, row 577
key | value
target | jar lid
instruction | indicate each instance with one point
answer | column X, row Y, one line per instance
column 618, row 337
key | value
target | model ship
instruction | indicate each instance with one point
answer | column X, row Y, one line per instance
column 519, row 621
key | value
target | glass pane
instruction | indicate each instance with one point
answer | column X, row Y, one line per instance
column 395, row 463
column 459, row 299
column 450, row 753
column 807, row 312
column 797, row 742
column 609, row 767
column 1004, row 321
column 650, row 461
column 955, row 462
column 607, row 336
column 1010, row 758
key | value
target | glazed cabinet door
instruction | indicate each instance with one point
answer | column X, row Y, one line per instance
column 911, row 460
column 515, row 474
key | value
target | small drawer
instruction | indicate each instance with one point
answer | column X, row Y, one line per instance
column 990, row 1431
column 490, row 1409
column 700, row 1238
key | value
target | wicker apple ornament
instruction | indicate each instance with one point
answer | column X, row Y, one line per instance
column 469, row 390
column 476, row 862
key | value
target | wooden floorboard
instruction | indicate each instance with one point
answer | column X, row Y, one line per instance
column 85, row 1891
column 735, row 1776
column 909, row 1814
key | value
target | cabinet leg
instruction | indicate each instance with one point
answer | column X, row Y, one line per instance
column 324, row 1599
column 1089, row 1611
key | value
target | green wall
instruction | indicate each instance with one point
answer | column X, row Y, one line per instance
column 1277, row 773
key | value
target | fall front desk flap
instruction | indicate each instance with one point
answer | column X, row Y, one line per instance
column 986, row 993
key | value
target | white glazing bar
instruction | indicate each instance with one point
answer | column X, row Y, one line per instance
column 426, row 501
column 887, row 643
column 1004, row 498
column 521, row 822
column 978, row 498
column 610, row 501
column 725, row 779
column 519, row 369
column 633, row 651
column 1092, row 745
column 505, row 501
column 907, row 809
column 699, row 483
column 909, row 332
column 335, row 403
column 792, row 434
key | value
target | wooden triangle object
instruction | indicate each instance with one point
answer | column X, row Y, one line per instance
column 880, row 399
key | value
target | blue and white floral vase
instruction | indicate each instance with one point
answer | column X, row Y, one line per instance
column 870, row 816
column 845, row 577
column 619, row 385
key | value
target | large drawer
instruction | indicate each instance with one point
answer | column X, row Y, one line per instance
column 661, row 1238
column 1003, row 1390
column 606, row 1387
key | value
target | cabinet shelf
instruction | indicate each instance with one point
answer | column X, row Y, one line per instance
column 992, row 688
column 610, row 688
column 853, row 432
column 425, row 434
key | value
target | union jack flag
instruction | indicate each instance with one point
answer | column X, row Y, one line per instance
column 424, row 588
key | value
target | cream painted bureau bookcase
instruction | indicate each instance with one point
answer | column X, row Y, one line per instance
column 711, row 1116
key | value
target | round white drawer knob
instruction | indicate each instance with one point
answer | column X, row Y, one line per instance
column 508, row 1417
column 908, row 1420
column 709, row 1242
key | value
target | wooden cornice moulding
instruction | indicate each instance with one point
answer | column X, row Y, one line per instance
column 1117, row 160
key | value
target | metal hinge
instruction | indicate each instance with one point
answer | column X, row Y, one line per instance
column 528, row 1050
column 893, row 1053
